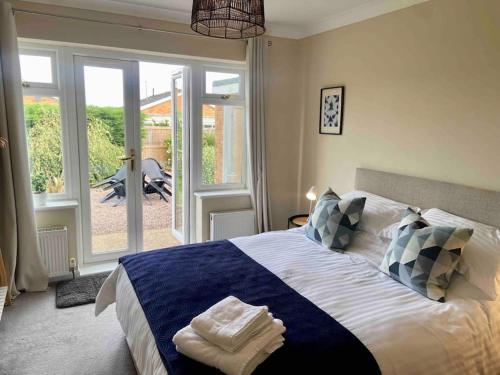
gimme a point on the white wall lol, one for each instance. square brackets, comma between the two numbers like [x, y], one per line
[422, 96]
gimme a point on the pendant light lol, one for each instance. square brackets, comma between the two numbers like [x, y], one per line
[228, 19]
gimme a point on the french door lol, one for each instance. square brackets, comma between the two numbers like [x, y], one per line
[110, 163]
[120, 204]
[180, 137]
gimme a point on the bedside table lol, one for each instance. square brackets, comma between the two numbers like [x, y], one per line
[297, 220]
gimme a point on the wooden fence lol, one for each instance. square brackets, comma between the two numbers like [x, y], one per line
[153, 144]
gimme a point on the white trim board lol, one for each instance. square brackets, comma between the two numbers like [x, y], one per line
[124, 8]
[3, 296]
[366, 10]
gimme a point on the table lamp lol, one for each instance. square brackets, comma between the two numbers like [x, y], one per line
[311, 195]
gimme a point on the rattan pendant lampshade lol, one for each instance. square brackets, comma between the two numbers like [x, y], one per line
[228, 19]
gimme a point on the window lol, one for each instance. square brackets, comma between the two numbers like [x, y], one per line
[220, 83]
[42, 116]
[223, 144]
[43, 119]
[38, 69]
[223, 134]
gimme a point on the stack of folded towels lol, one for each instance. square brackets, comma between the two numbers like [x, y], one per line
[232, 336]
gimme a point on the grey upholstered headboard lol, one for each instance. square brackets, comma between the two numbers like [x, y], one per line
[475, 204]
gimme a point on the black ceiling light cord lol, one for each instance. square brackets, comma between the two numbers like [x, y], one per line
[228, 19]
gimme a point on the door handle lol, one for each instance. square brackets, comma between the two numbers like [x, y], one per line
[130, 158]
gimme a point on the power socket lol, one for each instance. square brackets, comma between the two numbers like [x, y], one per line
[72, 266]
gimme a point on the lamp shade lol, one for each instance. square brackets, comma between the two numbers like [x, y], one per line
[228, 19]
[311, 194]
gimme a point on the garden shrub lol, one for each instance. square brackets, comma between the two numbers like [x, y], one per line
[113, 118]
[168, 151]
[105, 140]
[45, 150]
[103, 153]
[44, 144]
[208, 158]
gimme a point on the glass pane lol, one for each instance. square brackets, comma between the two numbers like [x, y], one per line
[43, 124]
[107, 175]
[36, 68]
[222, 83]
[223, 144]
[157, 153]
[178, 172]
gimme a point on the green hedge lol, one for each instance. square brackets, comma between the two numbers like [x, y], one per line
[113, 118]
[105, 140]
[208, 163]
[103, 152]
[208, 158]
[44, 142]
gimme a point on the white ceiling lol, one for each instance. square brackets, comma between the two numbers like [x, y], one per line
[287, 18]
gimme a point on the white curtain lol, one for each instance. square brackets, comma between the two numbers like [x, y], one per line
[17, 221]
[257, 133]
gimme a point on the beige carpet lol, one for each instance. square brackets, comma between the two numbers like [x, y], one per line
[38, 339]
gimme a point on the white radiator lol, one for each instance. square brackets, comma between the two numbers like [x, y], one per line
[54, 250]
[230, 224]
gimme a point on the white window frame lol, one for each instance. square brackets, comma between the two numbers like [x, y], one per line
[55, 89]
[53, 55]
[221, 69]
[199, 76]
[64, 58]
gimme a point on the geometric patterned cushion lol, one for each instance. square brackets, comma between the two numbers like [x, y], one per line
[412, 218]
[424, 257]
[334, 220]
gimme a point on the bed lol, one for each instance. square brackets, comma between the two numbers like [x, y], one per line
[404, 331]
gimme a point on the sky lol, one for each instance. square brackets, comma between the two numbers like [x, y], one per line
[36, 68]
[104, 86]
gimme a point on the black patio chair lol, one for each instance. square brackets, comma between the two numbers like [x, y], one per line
[115, 182]
[155, 179]
[120, 175]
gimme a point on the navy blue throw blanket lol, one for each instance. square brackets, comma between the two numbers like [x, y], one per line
[174, 285]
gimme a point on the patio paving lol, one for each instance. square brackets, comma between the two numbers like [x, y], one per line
[109, 223]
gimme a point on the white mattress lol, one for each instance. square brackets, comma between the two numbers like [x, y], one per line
[406, 332]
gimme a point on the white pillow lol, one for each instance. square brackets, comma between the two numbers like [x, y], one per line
[379, 212]
[480, 260]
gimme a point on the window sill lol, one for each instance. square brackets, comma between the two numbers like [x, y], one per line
[57, 205]
[93, 268]
[221, 193]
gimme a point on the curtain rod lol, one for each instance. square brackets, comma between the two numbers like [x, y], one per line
[136, 27]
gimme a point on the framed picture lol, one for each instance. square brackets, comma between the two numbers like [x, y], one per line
[331, 110]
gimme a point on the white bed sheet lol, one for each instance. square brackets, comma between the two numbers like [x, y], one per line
[406, 332]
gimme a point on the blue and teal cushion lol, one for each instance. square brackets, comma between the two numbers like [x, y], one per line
[424, 257]
[334, 220]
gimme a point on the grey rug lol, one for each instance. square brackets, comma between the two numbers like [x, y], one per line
[79, 291]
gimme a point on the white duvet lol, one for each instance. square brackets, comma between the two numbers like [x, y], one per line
[406, 332]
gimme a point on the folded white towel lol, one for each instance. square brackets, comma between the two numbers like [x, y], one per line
[243, 362]
[230, 323]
